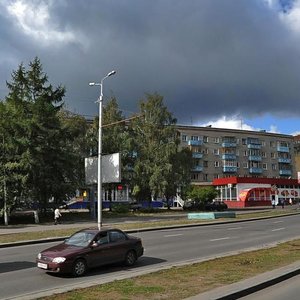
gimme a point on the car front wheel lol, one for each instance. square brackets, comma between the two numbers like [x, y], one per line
[130, 258]
[79, 267]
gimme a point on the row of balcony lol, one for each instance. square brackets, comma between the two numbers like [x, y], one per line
[233, 145]
[252, 170]
[230, 156]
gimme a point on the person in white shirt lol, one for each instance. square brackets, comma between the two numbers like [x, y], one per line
[57, 215]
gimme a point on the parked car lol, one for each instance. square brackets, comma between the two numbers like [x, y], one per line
[193, 205]
[216, 206]
[209, 206]
[90, 248]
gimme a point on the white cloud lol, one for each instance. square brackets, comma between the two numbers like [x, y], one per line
[292, 17]
[35, 21]
[289, 13]
[235, 122]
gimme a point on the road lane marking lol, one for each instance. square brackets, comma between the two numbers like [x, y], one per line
[276, 222]
[277, 229]
[171, 235]
[220, 239]
[234, 228]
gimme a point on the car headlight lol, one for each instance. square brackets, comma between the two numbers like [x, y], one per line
[39, 256]
[58, 260]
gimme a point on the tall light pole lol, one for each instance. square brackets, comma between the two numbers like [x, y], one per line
[99, 188]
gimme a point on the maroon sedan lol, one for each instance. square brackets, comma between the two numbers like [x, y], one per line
[90, 248]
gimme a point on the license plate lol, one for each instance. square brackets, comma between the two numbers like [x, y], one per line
[42, 266]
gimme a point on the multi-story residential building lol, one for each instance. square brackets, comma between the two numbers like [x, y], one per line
[220, 153]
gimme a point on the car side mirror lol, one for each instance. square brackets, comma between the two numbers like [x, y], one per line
[94, 244]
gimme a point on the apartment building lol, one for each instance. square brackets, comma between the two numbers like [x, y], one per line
[221, 153]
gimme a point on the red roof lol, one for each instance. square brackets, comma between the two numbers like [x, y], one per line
[235, 180]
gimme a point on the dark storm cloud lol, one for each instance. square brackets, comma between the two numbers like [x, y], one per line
[207, 58]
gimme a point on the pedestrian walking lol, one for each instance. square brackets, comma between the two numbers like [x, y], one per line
[273, 203]
[57, 215]
[290, 201]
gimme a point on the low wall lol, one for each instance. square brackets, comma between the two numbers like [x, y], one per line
[211, 215]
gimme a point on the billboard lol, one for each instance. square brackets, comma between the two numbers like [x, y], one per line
[111, 169]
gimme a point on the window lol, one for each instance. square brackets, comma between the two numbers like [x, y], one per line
[184, 137]
[195, 176]
[273, 155]
[245, 165]
[205, 163]
[205, 151]
[216, 140]
[115, 236]
[263, 154]
[205, 139]
[195, 138]
[216, 152]
[272, 144]
[246, 153]
[274, 167]
[265, 166]
[216, 176]
[217, 164]
[263, 143]
[244, 141]
[205, 177]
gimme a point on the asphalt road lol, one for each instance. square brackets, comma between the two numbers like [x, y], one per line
[20, 279]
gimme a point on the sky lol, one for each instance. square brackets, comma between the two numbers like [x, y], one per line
[225, 63]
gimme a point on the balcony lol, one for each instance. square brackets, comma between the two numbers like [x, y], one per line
[255, 170]
[197, 155]
[197, 169]
[228, 144]
[229, 169]
[195, 143]
[254, 146]
[284, 160]
[255, 158]
[283, 149]
[228, 156]
[285, 172]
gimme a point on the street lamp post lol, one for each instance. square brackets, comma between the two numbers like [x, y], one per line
[99, 187]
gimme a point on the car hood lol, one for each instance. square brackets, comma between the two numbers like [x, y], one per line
[62, 250]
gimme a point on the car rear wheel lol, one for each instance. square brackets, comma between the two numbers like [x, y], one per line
[79, 267]
[130, 258]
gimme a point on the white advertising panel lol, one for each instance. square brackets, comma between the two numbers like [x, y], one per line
[111, 169]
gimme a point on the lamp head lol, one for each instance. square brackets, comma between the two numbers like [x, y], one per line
[111, 73]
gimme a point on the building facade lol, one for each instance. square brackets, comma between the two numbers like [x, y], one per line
[220, 153]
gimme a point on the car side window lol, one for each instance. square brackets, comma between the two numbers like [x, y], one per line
[115, 236]
[102, 238]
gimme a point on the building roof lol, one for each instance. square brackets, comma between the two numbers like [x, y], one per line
[235, 180]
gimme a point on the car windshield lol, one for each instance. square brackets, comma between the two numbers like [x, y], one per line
[80, 239]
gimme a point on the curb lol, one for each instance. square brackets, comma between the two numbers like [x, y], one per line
[250, 285]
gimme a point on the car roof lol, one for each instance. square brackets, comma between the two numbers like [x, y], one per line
[96, 230]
